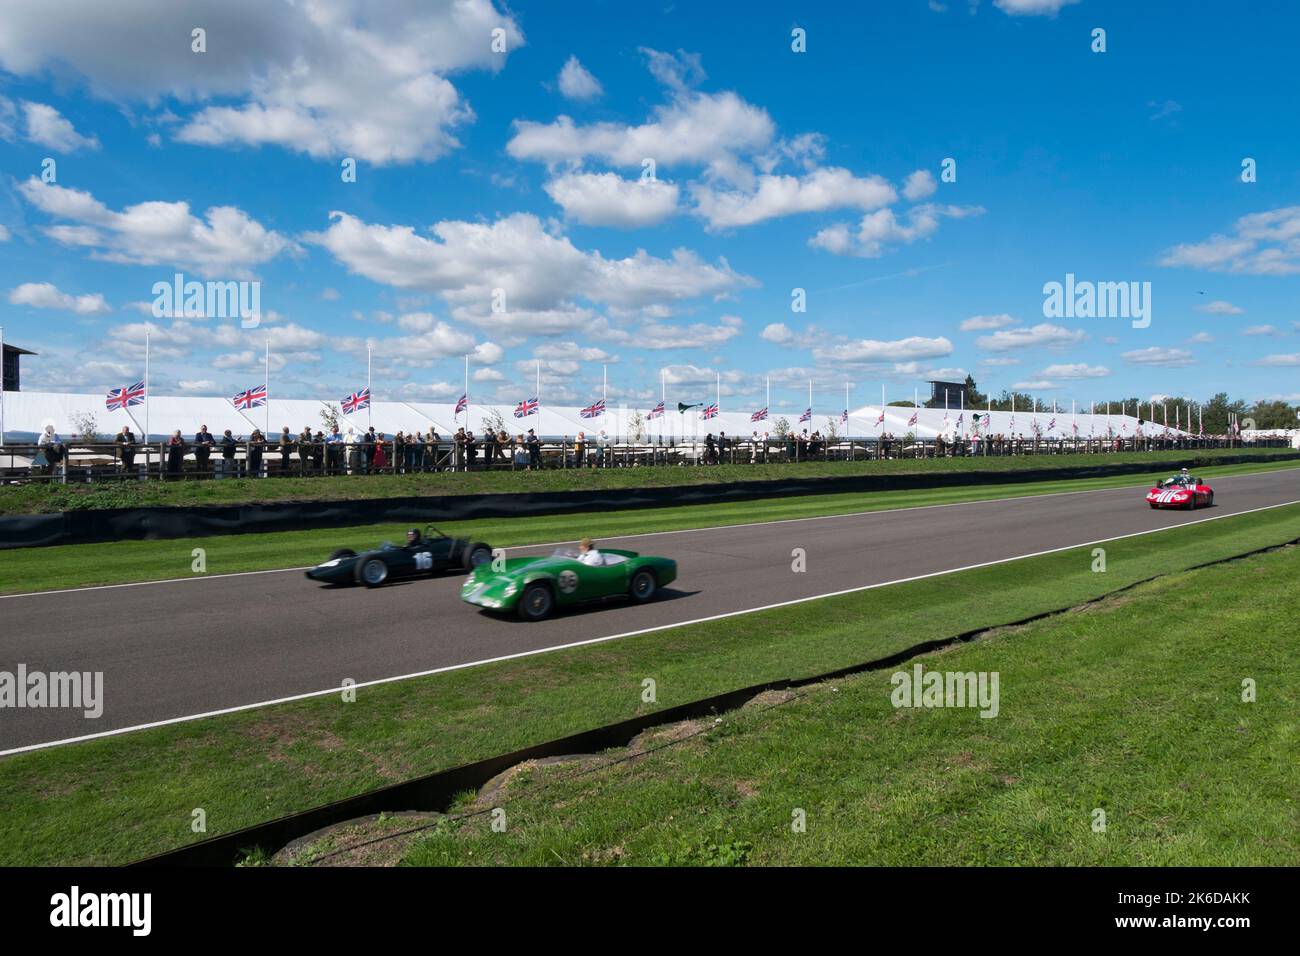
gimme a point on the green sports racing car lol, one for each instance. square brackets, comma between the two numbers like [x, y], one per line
[534, 587]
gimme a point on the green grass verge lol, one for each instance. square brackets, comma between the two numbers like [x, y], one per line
[42, 498]
[111, 800]
[70, 566]
[1132, 706]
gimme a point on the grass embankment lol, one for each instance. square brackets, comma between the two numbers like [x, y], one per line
[41, 498]
[1132, 707]
[69, 566]
[119, 798]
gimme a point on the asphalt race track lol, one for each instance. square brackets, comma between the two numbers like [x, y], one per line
[178, 649]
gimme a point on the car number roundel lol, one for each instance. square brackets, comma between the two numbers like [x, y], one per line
[568, 582]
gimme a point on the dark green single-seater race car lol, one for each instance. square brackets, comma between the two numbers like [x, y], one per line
[422, 554]
[534, 587]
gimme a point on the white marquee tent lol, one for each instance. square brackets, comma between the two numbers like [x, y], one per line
[27, 413]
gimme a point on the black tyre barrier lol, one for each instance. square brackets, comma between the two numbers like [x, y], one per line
[134, 524]
[435, 792]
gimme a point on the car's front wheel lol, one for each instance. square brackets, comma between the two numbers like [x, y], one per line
[476, 555]
[642, 587]
[536, 602]
[373, 572]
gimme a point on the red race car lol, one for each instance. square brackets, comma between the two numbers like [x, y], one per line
[1181, 491]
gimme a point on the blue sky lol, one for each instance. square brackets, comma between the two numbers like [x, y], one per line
[514, 179]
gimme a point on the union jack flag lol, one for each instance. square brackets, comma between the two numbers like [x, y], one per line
[880, 419]
[1012, 427]
[594, 410]
[806, 416]
[122, 397]
[462, 403]
[760, 415]
[710, 411]
[844, 417]
[254, 397]
[657, 411]
[1051, 424]
[357, 401]
[912, 420]
[525, 408]
[961, 419]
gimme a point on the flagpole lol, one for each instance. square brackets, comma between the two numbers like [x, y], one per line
[717, 393]
[539, 395]
[267, 376]
[369, 391]
[146, 390]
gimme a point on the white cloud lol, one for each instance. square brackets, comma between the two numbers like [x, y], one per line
[693, 129]
[543, 275]
[1263, 243]
[987, 323]
[487, 375]
[662, 335]
[4, 234]
[1032, 8]
[919, 185]
[880, 229]
[330, 79]
[44, 295]
[1219, 307]
[46, 126]
[1163, 357]
[862, 351]
[607, 199]
[576, 83]
[1280, 361]
[1201, 338]
[816, 191]
[1036, 385]
[197, 386]
[1261, 330]
[1076, 370]
[1043, 334]
[677, 71]
[572, 351]
[226, 242]
[999, 362]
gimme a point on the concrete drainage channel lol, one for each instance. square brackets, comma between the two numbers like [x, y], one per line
[431, 795]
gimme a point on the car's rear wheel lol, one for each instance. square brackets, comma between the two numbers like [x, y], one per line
[536, 602]
[342, 553]
[476, 555]
[642, 586]
[373, 572]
